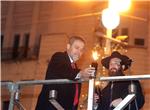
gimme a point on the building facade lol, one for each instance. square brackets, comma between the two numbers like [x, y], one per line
[32, 31]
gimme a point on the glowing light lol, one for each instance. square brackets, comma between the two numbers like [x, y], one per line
[84, 0]
[110, 18]
[97, 83]
[119, 5]
[121, 37]
[95, 55]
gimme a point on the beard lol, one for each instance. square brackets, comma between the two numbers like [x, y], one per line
[115, 72]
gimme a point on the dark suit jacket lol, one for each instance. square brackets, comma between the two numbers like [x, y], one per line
[59, 68]
[120, 90]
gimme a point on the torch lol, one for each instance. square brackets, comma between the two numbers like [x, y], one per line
[94, 63]
[92, 82]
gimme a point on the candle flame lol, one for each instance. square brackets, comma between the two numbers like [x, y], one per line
[97, 83]
[95, 55]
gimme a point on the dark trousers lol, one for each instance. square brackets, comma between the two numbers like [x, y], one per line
[75, 107]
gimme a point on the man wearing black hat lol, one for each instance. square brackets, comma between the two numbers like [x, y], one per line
[116, 91]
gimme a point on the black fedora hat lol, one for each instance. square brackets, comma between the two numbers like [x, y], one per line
[126, 61]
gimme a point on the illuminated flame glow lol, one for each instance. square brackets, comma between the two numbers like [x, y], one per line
[97, 83]
[121, 37]
[84, 0]
[110, 18]
[120, 5]
[95, 55]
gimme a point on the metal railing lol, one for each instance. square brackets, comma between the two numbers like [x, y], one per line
[14, 87]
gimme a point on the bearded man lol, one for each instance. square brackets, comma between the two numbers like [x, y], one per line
[116, 91]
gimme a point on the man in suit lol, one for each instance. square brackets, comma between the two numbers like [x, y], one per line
[62, 66]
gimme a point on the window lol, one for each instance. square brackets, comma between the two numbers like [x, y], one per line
[139, 41]
[115, 33]
[25, 45]
[2, 40]
[15, 52]
[124, 31]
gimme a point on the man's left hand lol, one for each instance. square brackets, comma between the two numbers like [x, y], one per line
[115, 102]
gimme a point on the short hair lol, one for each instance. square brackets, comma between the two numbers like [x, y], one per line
[74, 38]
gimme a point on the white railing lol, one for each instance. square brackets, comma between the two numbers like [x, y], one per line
[14, 87]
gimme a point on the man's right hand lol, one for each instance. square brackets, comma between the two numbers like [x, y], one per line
[87, 73]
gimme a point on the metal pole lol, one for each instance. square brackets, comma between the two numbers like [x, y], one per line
[12, 88]
[11, 103]
[92, 87]
[125, 78]
[39, 82]
[90, 94]
[66, 81]
[108, 42]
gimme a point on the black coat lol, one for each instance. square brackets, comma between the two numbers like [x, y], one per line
[59, 68]
[120, 90]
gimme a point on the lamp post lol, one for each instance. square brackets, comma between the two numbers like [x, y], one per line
[110, 20]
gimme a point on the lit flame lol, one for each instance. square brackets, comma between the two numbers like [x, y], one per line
[97, 83]
[95, 55]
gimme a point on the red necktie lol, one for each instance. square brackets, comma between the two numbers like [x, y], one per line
[77, 89]
[73, 65]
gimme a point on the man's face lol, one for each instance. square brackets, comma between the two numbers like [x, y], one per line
[75, 50]
[114, 67]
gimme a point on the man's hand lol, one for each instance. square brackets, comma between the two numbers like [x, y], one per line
[115, 102]
[87, 72]
[96, 98]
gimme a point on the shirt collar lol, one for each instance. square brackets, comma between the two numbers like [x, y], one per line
[71, 60]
